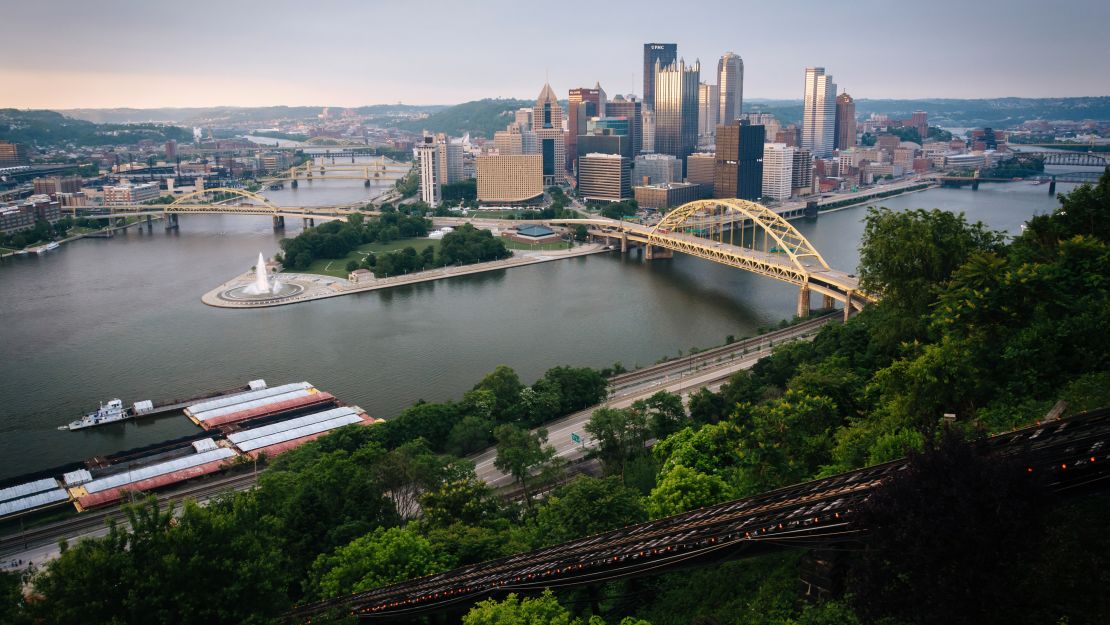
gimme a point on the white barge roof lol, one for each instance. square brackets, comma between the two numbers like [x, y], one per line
[128, 477]
[28, 488]
[298, 432]
[33, 501]
[239, 398]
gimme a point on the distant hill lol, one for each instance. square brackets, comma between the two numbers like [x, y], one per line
[228, 114]
[480, 117]
[44, 128]
[995, 112]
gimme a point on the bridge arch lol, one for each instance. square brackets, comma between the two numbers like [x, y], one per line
[182, 201]
[706, 216]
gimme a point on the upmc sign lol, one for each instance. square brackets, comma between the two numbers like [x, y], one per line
[656, 46]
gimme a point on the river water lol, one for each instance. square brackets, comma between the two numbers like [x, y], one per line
[122, 317]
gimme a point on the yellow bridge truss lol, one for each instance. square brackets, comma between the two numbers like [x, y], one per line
[703, 227]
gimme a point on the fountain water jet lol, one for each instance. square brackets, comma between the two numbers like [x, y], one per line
[264, 287]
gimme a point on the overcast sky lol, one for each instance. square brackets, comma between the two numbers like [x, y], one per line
[153, 53]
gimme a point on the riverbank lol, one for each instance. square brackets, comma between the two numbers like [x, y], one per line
[101, 232]
[317, 286]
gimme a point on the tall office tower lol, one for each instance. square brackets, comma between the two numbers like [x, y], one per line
[819, 113]
[657, 169]
[13, 154]
[771, 126]
[450, 161]
[582, 104]
[845, 122]
[603, 177]
[602, 100]
[547, 123]
[663, 54]
[708, 106]
[523, 119]
[171, 150]
[676, 108]
[648, 115]
[629, 108]
[739, 169]
[920, 121]
[427, 156]
[514, 141]
[801, 176]
[778, 170]
[730, 83]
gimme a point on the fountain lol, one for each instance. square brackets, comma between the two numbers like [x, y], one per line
[263, 288]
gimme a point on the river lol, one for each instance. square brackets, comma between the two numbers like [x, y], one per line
[122, 317]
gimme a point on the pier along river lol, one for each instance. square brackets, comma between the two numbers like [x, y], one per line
[104, 318]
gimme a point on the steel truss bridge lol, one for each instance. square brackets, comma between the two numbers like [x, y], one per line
[1070, 457]
[226, 201]
[745, 235]
[382, 169]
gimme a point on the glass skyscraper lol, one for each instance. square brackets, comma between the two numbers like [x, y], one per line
[819, 113]
[730, 85]
[676, 108]
[662, 53]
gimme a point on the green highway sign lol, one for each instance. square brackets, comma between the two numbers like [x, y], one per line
[575, 438]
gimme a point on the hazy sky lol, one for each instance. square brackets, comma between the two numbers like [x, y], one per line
[148, 53]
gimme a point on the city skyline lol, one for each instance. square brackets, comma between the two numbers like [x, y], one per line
[216, 55]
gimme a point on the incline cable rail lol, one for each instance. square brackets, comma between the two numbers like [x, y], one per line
[1073, 453]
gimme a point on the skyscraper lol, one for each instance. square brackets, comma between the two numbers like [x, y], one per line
[656, 53]
[739, 162]
[730, 84]
[845, 122]
[676, 108]
[427, 155]
[630, 108]
[920, 121]
[708, 105]
[778, 170]
[819, 113]
[582, 104]
[449, 165]
[547, 123]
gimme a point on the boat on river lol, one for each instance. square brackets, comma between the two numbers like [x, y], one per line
[111, 412]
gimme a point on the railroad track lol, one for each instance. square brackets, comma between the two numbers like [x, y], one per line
[96, 519]
[1072, 455]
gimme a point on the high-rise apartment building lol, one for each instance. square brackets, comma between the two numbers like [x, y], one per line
[523, 119]
[427, 158]
[629, 108]
[771, 126]
[13, 154]
[657, 169]
[730, 85]
[53, 185]
[739, 168]
[801, 175]
[778, 170]
[604, 177]
[547, 123]
[845, 122]
[664, 54]
[708, 106]
[920, 121]
[450, 164]
[582, 104]
[676, 108]
[819, 113]
[512, 179]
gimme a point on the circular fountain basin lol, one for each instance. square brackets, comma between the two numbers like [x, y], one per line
[246, 293]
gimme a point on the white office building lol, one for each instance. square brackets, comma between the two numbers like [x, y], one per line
[819, 114]
[778, 170]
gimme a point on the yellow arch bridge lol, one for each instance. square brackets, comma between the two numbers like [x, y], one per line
[740, 234]
[379, 170]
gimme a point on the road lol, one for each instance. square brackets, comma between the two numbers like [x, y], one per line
[709, 369]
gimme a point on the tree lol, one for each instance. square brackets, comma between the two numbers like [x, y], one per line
[960, 529]
[619, 436]
[543, 610]
[352, 265]
[504, 386]
[585, 507]
[684, 489]
[381, 557]
[521, 453]
[465, 499]
[469, 435]
[664, 411]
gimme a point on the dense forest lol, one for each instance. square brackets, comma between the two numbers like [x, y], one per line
[47, 128]
[479, 118]
[993, 331]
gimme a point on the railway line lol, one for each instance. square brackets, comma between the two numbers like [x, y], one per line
[1070, 456]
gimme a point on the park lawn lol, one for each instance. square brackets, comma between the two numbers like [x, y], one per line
[337, 267]
[527, 247]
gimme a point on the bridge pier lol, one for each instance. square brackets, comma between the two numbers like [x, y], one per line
[828, 303]
[309, 222]
[279, 222]
[170, 221]
[803, 302]
[975, 185]
[149, 223]
[848, 307]
[1052, 187]
[652, 252]
[624, 243]
[294, 183]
